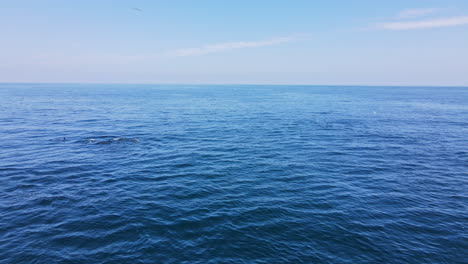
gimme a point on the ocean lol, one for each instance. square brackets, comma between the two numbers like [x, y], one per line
[233, 174]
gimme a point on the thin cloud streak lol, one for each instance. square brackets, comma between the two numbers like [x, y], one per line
[214, 48]
[424, 24]
[417, 12]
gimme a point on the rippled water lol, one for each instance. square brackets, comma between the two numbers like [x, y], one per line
[233, 174]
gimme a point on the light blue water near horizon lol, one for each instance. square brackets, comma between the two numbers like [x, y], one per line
[233, 174]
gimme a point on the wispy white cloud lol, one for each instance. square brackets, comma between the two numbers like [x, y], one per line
[417, 12]
[220, 47]
[424, 24]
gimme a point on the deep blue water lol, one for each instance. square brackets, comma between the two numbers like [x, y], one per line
[233, 174]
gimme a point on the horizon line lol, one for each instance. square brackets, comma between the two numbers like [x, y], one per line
[243, 84]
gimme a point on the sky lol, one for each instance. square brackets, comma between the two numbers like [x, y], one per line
[317, 42]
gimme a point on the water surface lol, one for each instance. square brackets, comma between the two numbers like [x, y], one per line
[233, 174]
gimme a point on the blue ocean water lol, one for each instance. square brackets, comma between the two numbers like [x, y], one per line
[233, 174]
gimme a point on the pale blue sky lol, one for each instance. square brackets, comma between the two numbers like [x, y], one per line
[368, 42]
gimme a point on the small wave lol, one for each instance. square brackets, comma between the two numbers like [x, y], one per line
[111, 140]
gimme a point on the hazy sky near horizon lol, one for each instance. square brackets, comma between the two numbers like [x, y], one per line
[368, 42]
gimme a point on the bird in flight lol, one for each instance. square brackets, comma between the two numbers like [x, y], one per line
[137, 9]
